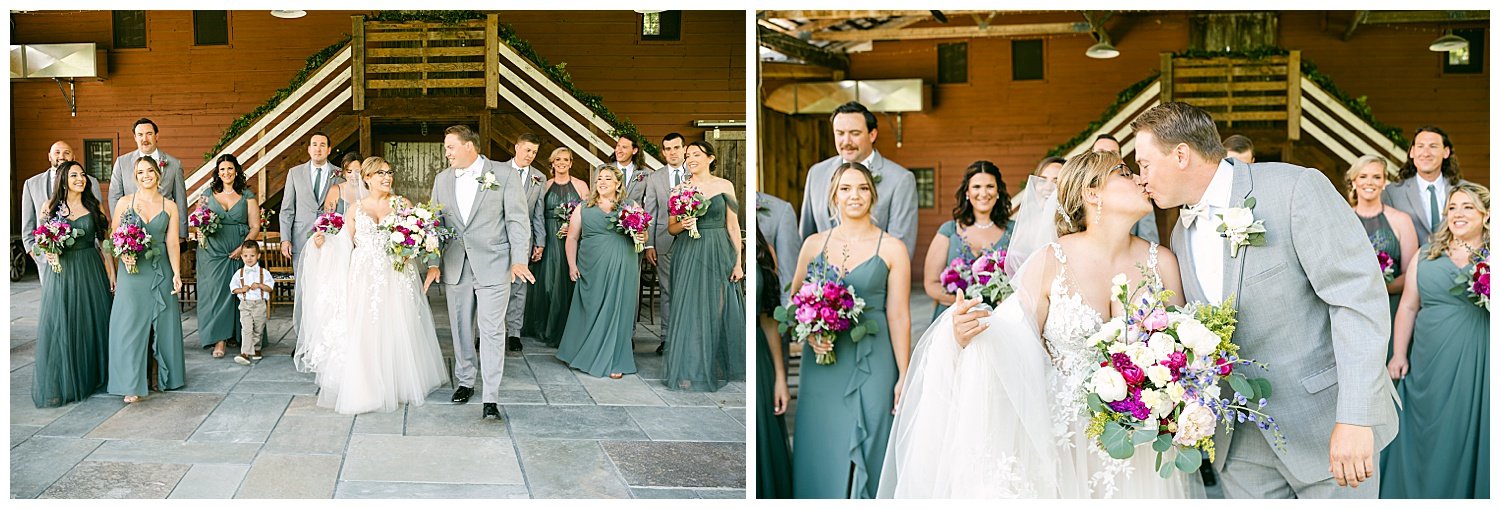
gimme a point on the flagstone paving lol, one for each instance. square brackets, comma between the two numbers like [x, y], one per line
[256, 432]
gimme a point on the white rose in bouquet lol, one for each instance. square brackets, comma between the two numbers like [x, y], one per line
[1140, 355]
[1175, 390]
[1195, 423]
[397, 238]
[1108, 384]
[1160, 376]
[430, 244]
[1197, 338]
[423, 213]
[1110, 332]
[1162, 345]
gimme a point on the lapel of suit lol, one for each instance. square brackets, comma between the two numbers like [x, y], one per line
[1418, 204]
[448, 185]
[481, 195]
[1234, 267]
[1191, 289]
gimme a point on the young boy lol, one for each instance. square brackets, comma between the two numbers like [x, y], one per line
[253, 284]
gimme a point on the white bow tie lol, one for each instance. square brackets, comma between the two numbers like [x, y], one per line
[1191, 213]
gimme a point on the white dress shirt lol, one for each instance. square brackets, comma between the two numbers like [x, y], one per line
[1203, 235]
[252, 274]
[466, 186]
[319, 175]
[627, 169]
[1440, 186]
[677, 175]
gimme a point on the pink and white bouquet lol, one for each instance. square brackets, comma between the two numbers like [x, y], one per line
[632, 221]
[958, 276]
[204, 220]
[822, 308]
[1158, 380]
[564, 214]
[1475, 284]
[981, 276]
[414, 232]
[330, 223]
[52, 237]
[686, 202]
[1387, 266]
[130, 242]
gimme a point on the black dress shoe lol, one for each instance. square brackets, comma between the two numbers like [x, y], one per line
[462, 394]
[491, 409]
[513, 344]
[661, 348]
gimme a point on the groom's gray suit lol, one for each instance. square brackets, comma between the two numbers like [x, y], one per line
[476, 269]
[535, 185]
[1312, 306]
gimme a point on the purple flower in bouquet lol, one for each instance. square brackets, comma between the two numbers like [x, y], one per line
[989, 281]
[564, 214]
[52, 237]
[205, 220]
[632, 221]
[687, 201]
[129, 242]
[823, 307]
[956, 276]
[414, 232]
[1132, 373]
[1475, 284]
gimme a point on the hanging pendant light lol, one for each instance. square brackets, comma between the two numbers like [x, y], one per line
[1102, 49]
[289, 14]
[1448, 42]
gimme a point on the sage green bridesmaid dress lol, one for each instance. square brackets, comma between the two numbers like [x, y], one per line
[71, 350]
[601, 318]
[219, 310]
[146, 315]
[1383, 238]
[706, 349]
[844, 409]
[773, 458]
[547, 301]
[957, 247]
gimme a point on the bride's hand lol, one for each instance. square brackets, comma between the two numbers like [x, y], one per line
[967, 321]
[318, 239]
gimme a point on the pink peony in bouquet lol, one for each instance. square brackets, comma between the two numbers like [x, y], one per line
[957, 276]
[52, 237]
[130, 242]
[823, 307]
[204, 220]
[632, 221]
[1475, 284]
[981, 276]
[330, 223]
[685, 202]
[414, 232]
[1387, 266]
[564, 213]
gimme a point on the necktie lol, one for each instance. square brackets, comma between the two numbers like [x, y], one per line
[318, 183]
[1432, 208]
[1192, 213]
[676, 177]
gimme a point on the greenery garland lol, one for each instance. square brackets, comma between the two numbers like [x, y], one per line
[1358, 105]
[240, 124]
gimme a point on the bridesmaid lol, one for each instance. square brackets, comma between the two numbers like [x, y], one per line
[71, 352]
[707, 325]
[844, 409]
[146, 320]
[596, 338]
[547, 301]
[981, 195]
[1443, 361]
[219, 254]
[1390, 230]
[334, 200]
[773, 459]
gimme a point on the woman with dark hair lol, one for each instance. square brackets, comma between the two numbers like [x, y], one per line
[706, 331]
[981, 223]
[350, 173]
[145, 323]
[71, 349]
[773, 457]
[219, 253]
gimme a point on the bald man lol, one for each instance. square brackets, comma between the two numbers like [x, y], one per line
[38, 190]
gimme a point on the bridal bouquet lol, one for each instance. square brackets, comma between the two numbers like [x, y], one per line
[129, 242]
[205, 220]
[330, 223]
[1158, 381]
[414, 232]
[564, 213]
[981, 276]
[685, 202]
[1475, 285]
[632, 221]
[822, 308]
[52, 237]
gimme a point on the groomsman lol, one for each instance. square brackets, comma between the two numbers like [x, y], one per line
[1425, 197]
[627, 151]
[854, 132]
[1240, 147]
[301, 202]
[38, 190]
[532, 182]
[1146, 227]
[777, 221]
[659, 246]
[122, 180]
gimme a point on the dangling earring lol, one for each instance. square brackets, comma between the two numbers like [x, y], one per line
[1099, 208]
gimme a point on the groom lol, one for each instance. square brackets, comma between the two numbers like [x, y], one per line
[486, 207]
[1311, 304]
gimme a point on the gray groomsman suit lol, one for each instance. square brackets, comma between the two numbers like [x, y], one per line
[1312, 306]
[895, 211]
[535, 185]
[172, 185]
[635, 183]
[476, 269]
[1407, 196]
[657, 191]
[34, 195]
[777, 221]
[300, 206]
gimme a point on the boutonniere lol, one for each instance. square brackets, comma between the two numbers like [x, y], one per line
[488, 182]
[639, 177]
[1239, 225]
[876, 178]
[762, 209]
[536, 180]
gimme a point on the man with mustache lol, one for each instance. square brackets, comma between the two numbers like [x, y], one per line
[854, 132]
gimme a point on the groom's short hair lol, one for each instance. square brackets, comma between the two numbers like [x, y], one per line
[1177, 122]
[464, 134]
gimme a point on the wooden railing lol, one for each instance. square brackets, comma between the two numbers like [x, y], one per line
[1235, 89]
[416, 59]
[1119, 125]
[1344, 133]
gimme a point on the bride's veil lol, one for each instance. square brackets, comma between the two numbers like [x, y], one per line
[323, 288]
[978, 421]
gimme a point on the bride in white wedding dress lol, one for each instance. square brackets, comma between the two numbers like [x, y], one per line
[369, 334]
[1002, 415]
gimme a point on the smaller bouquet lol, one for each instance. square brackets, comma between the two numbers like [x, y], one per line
[265, 218]
[957, 276]
[686, 202]
[52, 237]
[204, 220]
[564, 213]
[822, 308]
[990, 282]
[1475, 285]
[129, 242]
[1387, 266]
[632, 221]
[330, 223]
[414, 232]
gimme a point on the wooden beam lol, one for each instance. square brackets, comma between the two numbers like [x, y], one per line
[422, 108]
[892, 24]
[1294, 95]
[1359, 17]
[908, 34]
[785, 70]
[796, 48]
[818, 24]
[1383, 17]
[366, 146]
[492, 61]
[852, 14]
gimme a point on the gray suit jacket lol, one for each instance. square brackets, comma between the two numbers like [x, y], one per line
[895, 211]
[657, 191]
[777, 221]
[34, 195]
[1312, 306]
[495, 236]
[122, 182]
[635, 189]
[300, 206]
[535, 186]
[1406, 196]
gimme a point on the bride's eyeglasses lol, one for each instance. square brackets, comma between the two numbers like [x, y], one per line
[1123, 169]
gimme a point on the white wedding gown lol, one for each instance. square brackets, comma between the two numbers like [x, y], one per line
[1005, 417]
[368, 334]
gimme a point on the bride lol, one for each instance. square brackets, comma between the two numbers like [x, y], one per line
[369, 335]
[994, 407]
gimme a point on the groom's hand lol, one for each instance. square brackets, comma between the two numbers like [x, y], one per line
[521, 272]
[1351, 454]
[432, 275]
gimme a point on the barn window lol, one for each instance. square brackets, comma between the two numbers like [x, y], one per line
[211, 28]
[661, 26]
[129, 29]
[953, 62]
[1469, 60]
[926, 187]
[1026, 59]
[99, 158]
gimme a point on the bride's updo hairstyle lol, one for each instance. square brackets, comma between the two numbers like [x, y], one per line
[833, 186]
[1081, 173]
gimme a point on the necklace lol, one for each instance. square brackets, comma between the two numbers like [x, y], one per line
[985, 226]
